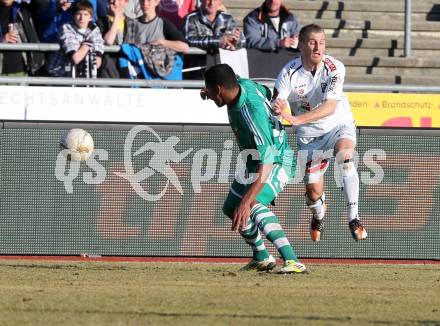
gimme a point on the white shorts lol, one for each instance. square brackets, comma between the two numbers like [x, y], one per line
[315, 152]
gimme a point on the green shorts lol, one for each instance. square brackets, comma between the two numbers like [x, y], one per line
[273, 186]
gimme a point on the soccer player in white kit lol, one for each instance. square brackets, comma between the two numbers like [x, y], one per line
[312, 85]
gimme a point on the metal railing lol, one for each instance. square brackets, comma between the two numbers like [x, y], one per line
[408, 12]
[61, 81]
[48, 47]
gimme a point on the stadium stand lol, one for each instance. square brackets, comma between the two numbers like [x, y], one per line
[368, 36]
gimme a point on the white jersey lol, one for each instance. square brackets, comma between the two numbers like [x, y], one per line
[306, 92]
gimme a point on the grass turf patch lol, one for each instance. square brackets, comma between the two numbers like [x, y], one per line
[102, 293]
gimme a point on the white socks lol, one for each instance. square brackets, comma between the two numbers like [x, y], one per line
[317, 207]
[350, 181]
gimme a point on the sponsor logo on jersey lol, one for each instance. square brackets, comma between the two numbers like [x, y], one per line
[293, 66]
[300, 86]
[333, 81]
[301, 93]
[330, 64]
[304, 107]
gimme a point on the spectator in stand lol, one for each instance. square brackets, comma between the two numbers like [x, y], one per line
[53, 14]
[155, 30]
[81, 44]
[175, 10]
[210, 28]
[116, 29]
[56, 13]
[159, 41]
[271, 27]
[16, 25]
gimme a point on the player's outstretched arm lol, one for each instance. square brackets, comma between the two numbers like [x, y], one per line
[325, 109]
[243, 211]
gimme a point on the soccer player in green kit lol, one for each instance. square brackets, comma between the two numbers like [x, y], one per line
[270, 164]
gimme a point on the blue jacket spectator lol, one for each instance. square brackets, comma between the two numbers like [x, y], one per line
[271, 27]
[59, 12]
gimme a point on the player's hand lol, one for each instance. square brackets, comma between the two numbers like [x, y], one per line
[279, 105]
[241, 216]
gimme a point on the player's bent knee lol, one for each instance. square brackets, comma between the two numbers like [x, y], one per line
[347, 167]
[311, 200]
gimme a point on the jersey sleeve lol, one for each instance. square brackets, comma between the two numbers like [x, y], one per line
[264, 90]
[282, 85]
[257, 121]
[335, 83]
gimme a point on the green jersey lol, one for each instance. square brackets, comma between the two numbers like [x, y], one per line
[255, 128]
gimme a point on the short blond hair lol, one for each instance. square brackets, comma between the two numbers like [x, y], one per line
[306, 30]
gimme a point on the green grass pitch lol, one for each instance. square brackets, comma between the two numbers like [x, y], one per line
[115, 293]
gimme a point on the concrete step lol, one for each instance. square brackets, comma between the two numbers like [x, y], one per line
[420, 80]
[391, 66]
[382, 43]
[398, 71]
[409, 63]
[433, 36]
[381, 25]
[389, 27]
[369, 79]
[311, 15]
[364, 6]
[378, 34]
[364, 16]
[346, 52]
[392, 79]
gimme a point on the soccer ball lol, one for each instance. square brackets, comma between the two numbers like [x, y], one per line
[78, 144]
